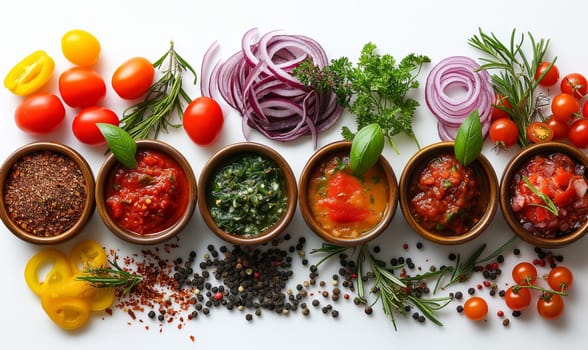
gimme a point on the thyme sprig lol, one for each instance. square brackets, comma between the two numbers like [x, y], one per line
[397, 294]
[115, 277]
[549, 205]
[153, 115]
[516, 75]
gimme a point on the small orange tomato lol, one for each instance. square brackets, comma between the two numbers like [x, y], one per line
[133, 78]
[475, 308]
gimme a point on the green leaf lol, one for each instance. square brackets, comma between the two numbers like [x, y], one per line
[122, 145]
[366, 148]
[469, 139]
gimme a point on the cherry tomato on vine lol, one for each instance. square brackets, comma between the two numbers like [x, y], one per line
[578, 133]
[39, 113]
[81, 87]
[84, 124]
[550, 78]
[538, 132]
[133, 78]
[574, 84]
[504, 132]
[524, 273]
[564, 106]
[517, 299]
[497, 112]
[550, 306]
[475, 308]
[80, 47]
[203, 120]
[560, 278]
[560, 130]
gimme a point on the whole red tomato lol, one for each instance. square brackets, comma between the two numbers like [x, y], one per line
[203, 120]
[574, 84]
[560, 130]
[133, 78]
[564, 107]
[550, 78]
[504, 132]
[578, 133]
[39, 113]
[497, 112]
[84, 124]
[81, 87]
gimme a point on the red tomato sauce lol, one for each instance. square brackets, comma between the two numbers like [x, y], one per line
[149, 198]
[559, 178]
[444, 197]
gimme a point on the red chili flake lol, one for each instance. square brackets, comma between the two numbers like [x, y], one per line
[192, 338]
[132, 314]
[354, 275]
[479, 286]
[487, 284]
[405, 246]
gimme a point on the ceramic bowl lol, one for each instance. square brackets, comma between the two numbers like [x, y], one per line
[177, 218]
[488, 194]
[227, 155]
[337, 233]
[505, 194]
[56, 187]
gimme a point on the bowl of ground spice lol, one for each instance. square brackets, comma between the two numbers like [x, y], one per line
[248, 193]
[152, 202]
[47, 192]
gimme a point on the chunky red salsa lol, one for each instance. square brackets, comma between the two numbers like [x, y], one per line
[548, 195]
[149, 198]
[445, 196]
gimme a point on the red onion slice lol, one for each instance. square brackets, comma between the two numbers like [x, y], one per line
[458, 72]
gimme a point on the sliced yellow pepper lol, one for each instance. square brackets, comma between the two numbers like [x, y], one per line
[87, 254]
[67, 312]
[30, 74]
[58, 270]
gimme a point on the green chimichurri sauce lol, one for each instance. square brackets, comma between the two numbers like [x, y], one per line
[247, 195]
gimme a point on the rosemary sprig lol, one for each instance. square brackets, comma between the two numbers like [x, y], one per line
[394, 292]
[153, 115]
[116, 277]
[516, 78]
[549, 205]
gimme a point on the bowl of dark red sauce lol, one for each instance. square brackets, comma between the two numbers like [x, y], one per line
[152, 202]
[344, 208]
[47, 192]
[444, 201]
[544, 194]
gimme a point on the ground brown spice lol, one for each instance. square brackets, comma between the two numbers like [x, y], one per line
[45, 193]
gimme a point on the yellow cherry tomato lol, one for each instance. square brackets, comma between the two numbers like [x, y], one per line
[58, 268]
[87, 254]
[68, 313]
[30, 74]
[80, 47]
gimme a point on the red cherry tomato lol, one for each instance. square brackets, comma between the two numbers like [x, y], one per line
[81, 87]
[550, 306]
[550, 78]
[578, 133]
[560, 130]
[133, 78]
[84, 124]
[524, 273]
[585, 109]
[574, 84]
[539, 132]
[560, 278]
[203, 120]
[475, 308]
[504, 132]
[497, 112]
[517, 299]
[564, 107]
[39, 113]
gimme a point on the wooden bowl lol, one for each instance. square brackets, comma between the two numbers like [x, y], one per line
[57, 188]
[333, 234]
[505, 205]
[488, 197]
[177, 218]
[232, 153]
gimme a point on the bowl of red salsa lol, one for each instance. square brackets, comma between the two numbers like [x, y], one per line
[444, 201]
[544, 194]
[343, 208]
[152, 202]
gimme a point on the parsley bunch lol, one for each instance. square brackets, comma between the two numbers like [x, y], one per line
[374, 90]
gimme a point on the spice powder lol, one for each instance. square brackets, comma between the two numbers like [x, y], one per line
[45, 193]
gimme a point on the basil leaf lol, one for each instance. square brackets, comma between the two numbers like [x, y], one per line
[122, 145]
[366, 148]
[469, 139]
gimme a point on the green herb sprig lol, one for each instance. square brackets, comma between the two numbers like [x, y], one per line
[115, 277]
[153, 115]
[549, 205]
[374, 90]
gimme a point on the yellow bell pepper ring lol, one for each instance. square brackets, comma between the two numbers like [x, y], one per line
[87, 254]
[69, 313]
[30, 74]
[58, 268]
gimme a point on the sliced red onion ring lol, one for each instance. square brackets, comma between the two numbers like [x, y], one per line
[257, 81]
[458, 72]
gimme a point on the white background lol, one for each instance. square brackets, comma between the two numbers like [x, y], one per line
[434, 28]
